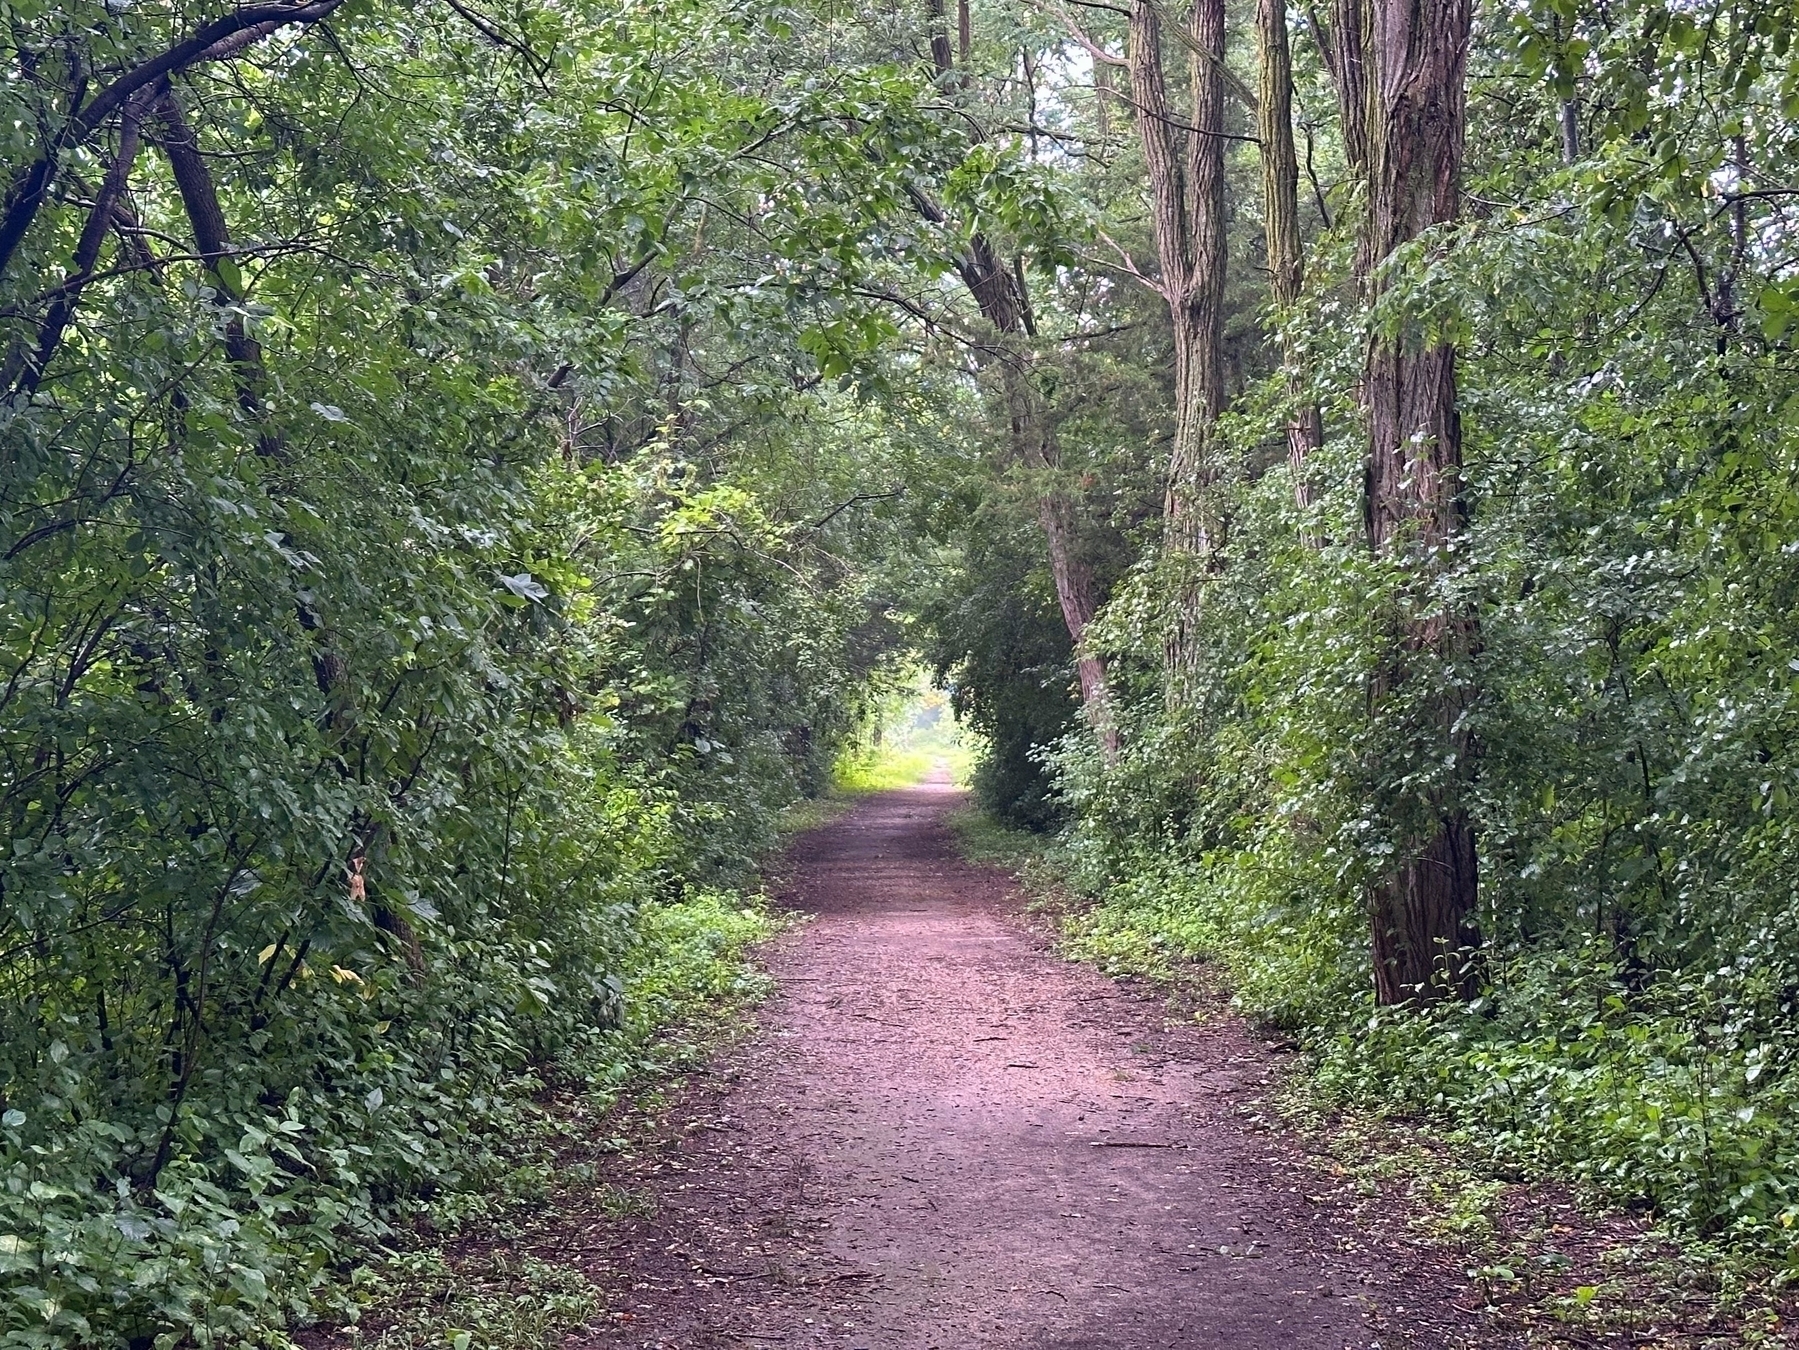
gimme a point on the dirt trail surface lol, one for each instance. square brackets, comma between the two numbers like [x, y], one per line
[947, 1137]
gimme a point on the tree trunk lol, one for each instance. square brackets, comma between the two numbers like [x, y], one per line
[1422, 911]
[1280, 196]
[1078, 597]
[1033, 445]
[1186, 184]
[1185, 161]
[999, 293]
[87, 255]
[1344, 47]
[193, 181]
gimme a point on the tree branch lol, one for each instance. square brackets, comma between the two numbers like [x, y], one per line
[87, 254]
[222, 37]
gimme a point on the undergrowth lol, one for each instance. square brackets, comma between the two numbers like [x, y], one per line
[1678, 1096]
[449, 1276]
[496, 1302]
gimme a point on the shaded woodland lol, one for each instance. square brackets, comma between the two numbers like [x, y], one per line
[465, 469]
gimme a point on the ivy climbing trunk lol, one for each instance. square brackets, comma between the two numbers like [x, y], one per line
[1422, 909]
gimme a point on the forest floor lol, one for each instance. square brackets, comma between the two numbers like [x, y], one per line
[940, 1135]
[946, 1136]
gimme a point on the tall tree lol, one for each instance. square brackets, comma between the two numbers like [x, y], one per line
[1008, 351]
[1280, 215]
[1422, 908]
[1185, 160]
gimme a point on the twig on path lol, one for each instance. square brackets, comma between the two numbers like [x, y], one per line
[705, 1269]
[832, 1279]
[1132, 1143]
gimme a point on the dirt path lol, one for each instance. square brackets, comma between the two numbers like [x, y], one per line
[947, 1137]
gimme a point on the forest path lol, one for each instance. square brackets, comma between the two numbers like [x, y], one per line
[947, 1137]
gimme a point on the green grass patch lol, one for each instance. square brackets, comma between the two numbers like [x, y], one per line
[491, 1300]
[911, 732]
[982, 839]
[881, 768]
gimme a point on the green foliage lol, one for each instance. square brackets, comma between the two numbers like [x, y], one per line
[408, 637]
[1619, 287]
[496, 1303]
[999, 644]
[911, 732]
[881, 768]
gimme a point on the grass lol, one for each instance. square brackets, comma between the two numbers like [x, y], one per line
[882, 768]
[901, 758]
[1029, 857]
[491, 1300]
[913, 733]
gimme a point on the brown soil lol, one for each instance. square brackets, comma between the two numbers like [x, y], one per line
[947, 1137]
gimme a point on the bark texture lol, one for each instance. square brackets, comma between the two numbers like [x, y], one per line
[1345, 50]
[1422, 911]
[999, 293]
[1280, 197]
[1185, 160]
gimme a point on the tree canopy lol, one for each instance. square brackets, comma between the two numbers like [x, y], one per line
[468, 467]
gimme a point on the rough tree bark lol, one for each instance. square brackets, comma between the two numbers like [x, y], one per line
[1185, 160]
[1422, 910]
[1280, 196]
[1032, 443]
[212, 239]
[999, 293]
[1344, 47]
